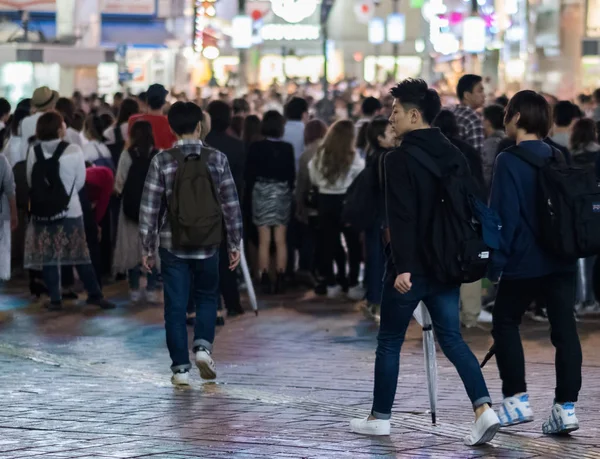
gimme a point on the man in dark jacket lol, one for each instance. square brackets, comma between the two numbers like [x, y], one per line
[218, 138]
[411, 196]
[528, 272]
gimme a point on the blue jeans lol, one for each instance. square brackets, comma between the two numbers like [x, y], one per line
[179, 276]
[87, 275]
[133, 275]
[375, 263]
[396, 311]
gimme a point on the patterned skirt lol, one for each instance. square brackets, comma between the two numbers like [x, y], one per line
[55, 244]
[271, 203]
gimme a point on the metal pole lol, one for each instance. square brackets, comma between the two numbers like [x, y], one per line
[243, 55]
[395, 45]
[324, 33]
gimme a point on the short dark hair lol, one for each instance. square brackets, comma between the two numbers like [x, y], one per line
[596, 95]
[78, 121]
[314, 130]
[495, 115]
[466, 84]
[273, 124]
[143, 96]
[5, 107]
[237, 125]
[565, 112]
[414, 93]
[220, 115]
[584, 133]
[48, 126]
[296, 108]
[184, 117]
[446, 123]
[240, 105]
[118, 95]
[534, 113]
[370, 105]
[376, 129]
[128, 108]
[502, 101]
[66, 108]
[94, 126]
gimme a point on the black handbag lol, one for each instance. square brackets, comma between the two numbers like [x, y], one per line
[311, 198]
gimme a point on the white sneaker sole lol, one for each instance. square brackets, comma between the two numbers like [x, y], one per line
[377, 432]
[179, 383]
[488, 435]
[206, 372]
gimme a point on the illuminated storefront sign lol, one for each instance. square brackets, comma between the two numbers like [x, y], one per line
[294, 11]
[274, 32]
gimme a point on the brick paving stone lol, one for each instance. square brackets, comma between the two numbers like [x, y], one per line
[87, 383]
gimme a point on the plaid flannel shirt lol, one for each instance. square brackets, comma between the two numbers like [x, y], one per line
[470, 126]
[154, 223]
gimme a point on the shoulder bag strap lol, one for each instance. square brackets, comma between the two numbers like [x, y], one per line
[425, 160]
[118, 135]
[60, 149]
[39, 153]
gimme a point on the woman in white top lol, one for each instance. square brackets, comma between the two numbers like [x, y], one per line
[128, 108]
[66, 108]
[51, 244]
[13, 150]
[332, 170]
[95, 152]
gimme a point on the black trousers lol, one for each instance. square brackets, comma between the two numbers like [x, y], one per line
[332, 228]
[514, 296]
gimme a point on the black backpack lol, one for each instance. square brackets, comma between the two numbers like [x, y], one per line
[21, 186]
[463, 231]
[568, 206]
[134, 186]
[361, 205]
[117, 148]
[194, 209]
[48, 196]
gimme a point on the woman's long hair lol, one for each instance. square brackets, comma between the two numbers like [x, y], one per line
[337, 151]
[376, 129]
[584, 133]
[251, 131]
[141, 139]
[128, 108]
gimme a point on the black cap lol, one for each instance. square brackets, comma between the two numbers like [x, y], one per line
[157, 95]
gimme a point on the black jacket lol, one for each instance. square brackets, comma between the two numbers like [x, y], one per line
[236, 155]
[411, 191]
[473, 158]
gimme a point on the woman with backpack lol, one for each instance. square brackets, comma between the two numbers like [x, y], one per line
[95, 152]
[129, 183]
[56, 236]
[66, 108]
[332, 171]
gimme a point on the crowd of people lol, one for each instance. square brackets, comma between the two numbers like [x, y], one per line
[174, 191]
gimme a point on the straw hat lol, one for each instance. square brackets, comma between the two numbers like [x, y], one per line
[44, 98]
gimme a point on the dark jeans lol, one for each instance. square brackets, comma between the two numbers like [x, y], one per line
[557, 291]
[228, 285]
[396, 311]
[375, 263]
[51, 275]
[178, 274]
[330, 223]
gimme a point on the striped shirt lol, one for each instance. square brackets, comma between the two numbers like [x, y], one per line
[154, 224]
[470, 126]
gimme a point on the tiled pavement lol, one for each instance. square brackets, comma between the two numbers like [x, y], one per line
[90, 384]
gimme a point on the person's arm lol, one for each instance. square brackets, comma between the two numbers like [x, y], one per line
[9, 187]
[504, 199]
[122, 171]
[30, 158]
[475, 134]
[230, 204]
[291, 169]
[401, 210]
[154, 190]
[79, 164]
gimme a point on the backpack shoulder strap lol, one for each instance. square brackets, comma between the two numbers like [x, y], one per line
[177, 155]
[118, 134]
[60, 149]
[425, 160]
[39, 154]
[527, 157]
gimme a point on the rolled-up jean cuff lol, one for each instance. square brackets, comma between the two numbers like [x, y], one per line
[177, 368]
[482, 401]
[382, 416]
[202, 343]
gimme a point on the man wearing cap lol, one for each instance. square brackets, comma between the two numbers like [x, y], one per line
[156, 99]
[43, 100]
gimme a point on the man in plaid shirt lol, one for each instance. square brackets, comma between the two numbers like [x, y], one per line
[179, 268]
[471, 94]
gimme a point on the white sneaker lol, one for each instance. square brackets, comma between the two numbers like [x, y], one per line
[152, 297]
[485, 317]
[181, 378]
[334, 292]
[356, 293]
[135, 296]
[562, 420]
[370, 427]
[484, 429]
[515, 410]
[206, 364]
